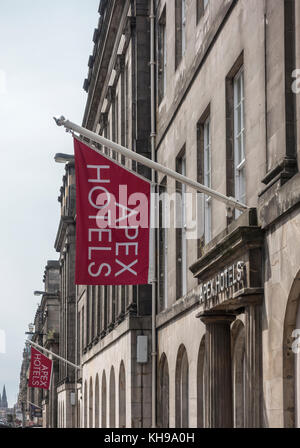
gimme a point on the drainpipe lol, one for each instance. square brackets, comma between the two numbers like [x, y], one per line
[153, 141]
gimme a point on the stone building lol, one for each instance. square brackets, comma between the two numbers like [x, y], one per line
[23, 384]
[112, 321]
[65, 245]
[3, 399]
[228, 302]
[50, 308]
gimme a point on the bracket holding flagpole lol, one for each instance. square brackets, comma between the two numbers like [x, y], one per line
[230, 202]
[34, 344]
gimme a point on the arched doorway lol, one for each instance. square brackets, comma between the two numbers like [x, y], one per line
[97, 398]
[163, 392]
[85, 405]
[122, 397]
[182, 389]
[112, 399]
[91, 404]
[291, 361]
[103, 401]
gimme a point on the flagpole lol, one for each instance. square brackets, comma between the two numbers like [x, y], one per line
[230, 202]
[154, 211]
[53, 354]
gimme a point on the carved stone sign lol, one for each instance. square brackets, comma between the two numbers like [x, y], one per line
[223, 285]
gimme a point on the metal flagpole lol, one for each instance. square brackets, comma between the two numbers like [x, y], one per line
[230, 202]
[154, 211]
[53, 354]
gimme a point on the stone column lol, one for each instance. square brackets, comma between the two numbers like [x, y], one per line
[218, 378]
[253, 366]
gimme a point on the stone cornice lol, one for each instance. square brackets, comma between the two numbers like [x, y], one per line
[65, 221]
[242, 234]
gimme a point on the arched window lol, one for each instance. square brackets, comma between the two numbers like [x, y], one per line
[201, 369]
[91, 404]
[291, 361]
[122, 397]
[296, 354]
[79, 413]
[85, 405]
[238, 374]
[163, 392]
[59, 415]
[182, 389]
[103, 401]
[112, 399]
[97, 398]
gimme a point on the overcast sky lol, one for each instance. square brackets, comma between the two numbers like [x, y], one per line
[44, 49]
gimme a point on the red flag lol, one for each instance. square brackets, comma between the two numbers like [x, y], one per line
[112, 221]
[40, 370]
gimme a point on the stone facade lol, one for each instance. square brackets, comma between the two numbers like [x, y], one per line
[65, 245]
[227, 301]
[240, 334]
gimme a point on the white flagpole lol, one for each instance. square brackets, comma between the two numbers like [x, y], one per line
[229, 201]
[53, 354]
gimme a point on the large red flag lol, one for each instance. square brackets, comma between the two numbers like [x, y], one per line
[112, 221]
[40, 370]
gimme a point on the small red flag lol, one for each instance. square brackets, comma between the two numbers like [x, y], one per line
[40, 370]
[112, 221]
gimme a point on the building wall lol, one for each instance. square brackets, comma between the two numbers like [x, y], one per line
[282, 266]
[259, 362]
[170, 338]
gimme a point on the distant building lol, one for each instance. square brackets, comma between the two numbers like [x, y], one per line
[3, 401]
[4, 410]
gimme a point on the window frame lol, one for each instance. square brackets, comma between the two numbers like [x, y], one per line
[239, 136]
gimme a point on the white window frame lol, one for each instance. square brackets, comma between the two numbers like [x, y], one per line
[164, 36]
[183, 26]
[207, 179]
[165, 249]
[184, 228]
[239, 138]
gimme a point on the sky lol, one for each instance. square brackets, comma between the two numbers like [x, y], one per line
[44, 50]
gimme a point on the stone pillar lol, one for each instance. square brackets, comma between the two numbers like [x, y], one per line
[218, 378]
[253, 367]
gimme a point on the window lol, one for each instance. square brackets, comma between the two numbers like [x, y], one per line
[201, 6]
[162, 57]
[117, 119]
[181, 248]
[82, 329]
[182, 389]
[235, 134]
[93, 313]
[180, 32]
[239, 137]
[103, 401]
[99, 299]
[163, 393]
[112, 399]
[207, 179]
[87, 318]
[122, 396]
[163, 246]
[126, 106]
[183, 11]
